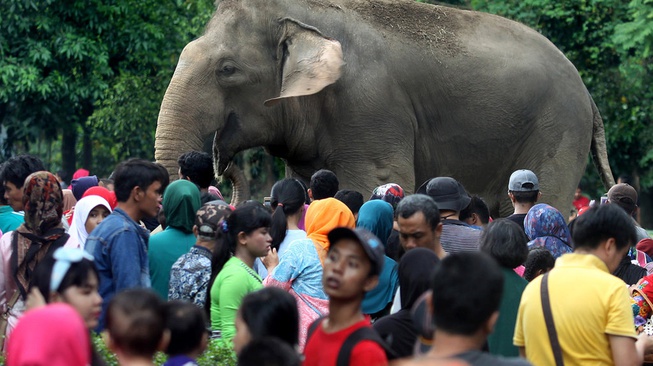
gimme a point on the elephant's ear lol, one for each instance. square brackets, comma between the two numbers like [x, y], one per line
[311, 61]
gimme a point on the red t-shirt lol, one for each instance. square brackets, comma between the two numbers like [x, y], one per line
[322, 348]
[581, 202]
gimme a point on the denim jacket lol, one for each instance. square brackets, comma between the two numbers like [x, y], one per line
[119, 246]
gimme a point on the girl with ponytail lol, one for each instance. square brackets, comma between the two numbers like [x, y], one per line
[244, 236]
[287, 201]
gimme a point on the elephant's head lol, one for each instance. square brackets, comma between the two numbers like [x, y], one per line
[234, 82]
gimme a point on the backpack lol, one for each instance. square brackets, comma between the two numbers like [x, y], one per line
[359, 335]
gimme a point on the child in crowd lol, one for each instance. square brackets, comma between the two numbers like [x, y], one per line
[188, 334]
[539, 261]
[270, 312]
[268, 351]
[69, 276]
[299, 271]
[135, 322]
[352, 267]
[90, 211]
[245, 237]
[287, 202]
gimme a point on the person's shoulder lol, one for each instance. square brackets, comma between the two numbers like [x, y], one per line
[486, 359]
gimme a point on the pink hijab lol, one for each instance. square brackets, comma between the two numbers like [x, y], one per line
[53, 335]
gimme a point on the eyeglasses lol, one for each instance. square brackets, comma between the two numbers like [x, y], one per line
[64, 257]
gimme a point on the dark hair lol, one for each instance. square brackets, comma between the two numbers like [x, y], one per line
[353, 199]
[463, 312]
[324, 184]
[525, 197]
[208, 197]
[626, 178]
[539, 259]
[19, 167]
[419, 203]
[247, 217]
[307, 199]
[602, 222]
[198, 167]
[137, 173]
[77, 275]
[268, 352]
[135, 320]
[506, 242]
[187, 325]
[476, 206]
[271, 312]
[3, 201]
[286, 198]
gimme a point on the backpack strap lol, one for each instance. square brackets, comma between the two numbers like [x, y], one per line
[359, 335]
[313, 327]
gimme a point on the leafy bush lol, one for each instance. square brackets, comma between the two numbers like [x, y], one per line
[217, 353]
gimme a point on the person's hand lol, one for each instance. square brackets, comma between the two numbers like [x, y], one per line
[271, 261]
[648, 343]
[34, 299]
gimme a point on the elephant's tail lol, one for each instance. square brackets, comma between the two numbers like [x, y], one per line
[599, 148]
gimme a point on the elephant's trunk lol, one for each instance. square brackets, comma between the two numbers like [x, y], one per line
[176, 134]
[239, 183]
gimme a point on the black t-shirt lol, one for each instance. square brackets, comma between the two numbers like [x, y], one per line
[398, 331]
[519, 219]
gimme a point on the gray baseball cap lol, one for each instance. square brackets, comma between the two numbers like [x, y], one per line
[370, 243]
[523, 181]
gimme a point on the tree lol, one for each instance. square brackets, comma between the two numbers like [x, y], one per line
[92, 68]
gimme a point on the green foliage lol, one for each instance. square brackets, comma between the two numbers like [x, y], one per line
[91, 65]
[217, 353]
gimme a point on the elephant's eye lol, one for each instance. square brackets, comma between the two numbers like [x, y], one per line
[227, 70]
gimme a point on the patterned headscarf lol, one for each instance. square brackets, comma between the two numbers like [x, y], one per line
[391, 193]
[322, 217]
[546, 228]
[43, 202]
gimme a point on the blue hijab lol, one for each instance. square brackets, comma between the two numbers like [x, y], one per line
[546, 227]
[377, 216]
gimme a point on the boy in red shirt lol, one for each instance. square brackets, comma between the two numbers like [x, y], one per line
[345, 337]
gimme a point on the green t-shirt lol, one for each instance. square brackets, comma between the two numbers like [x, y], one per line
[500, 341]
[234, 281]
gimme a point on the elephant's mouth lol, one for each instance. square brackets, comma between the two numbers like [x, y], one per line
[223, 155]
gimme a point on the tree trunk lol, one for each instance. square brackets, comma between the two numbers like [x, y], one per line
[68, 154]
[87, 149]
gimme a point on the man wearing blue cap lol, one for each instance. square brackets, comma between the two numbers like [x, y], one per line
[351, 268]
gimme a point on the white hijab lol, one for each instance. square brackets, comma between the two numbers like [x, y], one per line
[83, 208]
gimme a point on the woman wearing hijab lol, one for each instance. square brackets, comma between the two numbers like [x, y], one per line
[181, 200]
[53, 335]
[399, 330]
[89, 213]
[377, 216]
[546, 228]
[300, 269]
[22, 249]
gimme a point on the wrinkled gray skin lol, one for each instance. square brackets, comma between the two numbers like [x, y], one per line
[383, 91]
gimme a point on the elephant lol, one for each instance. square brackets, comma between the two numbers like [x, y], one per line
[383, 91]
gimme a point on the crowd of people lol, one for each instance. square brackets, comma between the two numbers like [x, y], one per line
[317, 276]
